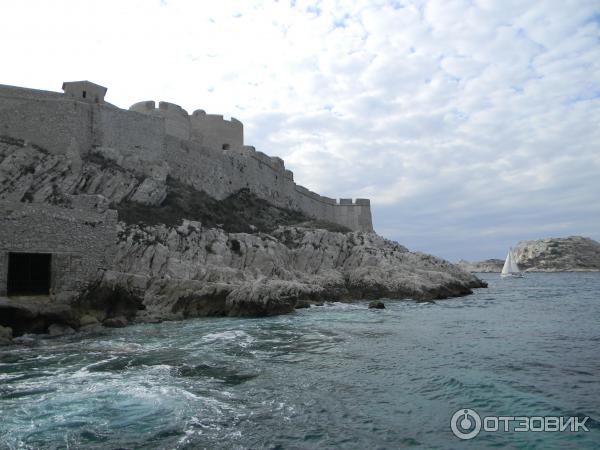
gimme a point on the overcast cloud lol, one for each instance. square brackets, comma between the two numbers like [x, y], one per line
[470, 124]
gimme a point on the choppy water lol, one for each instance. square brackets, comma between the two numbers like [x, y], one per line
[337, 376]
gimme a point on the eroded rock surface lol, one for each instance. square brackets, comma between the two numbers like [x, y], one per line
[571, 254]
[189, 270]
[489, 265]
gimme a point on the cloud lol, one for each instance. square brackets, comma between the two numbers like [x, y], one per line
[470, 124]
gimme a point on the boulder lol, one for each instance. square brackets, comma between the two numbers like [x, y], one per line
[115, 322]
[5, 335]
[376, 304]
[32, 315]
[269, 297]
[88, 320]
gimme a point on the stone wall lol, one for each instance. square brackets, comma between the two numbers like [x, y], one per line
[201, 150]
[51, 123]
[134, 141]
[23, 93]
[81, 241]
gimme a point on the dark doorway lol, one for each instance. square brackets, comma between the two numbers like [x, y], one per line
[29, 273]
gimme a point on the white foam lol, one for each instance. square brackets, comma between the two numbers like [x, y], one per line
[229, 335]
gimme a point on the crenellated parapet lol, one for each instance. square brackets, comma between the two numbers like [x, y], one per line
[217, 132]
[355, 215]
[210, 130]
[177, 121]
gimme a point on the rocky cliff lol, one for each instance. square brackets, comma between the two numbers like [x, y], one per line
[571, 254]
[191, 270]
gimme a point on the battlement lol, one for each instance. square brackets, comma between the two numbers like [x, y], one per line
[177, 122]
[217, 132]
[143, 107]
[358, 202]
[172, 107]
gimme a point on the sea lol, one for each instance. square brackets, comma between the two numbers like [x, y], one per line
[517, 358]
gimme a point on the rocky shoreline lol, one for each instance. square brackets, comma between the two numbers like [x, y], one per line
[173, 273]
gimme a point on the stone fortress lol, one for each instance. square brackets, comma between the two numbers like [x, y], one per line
[200, 150]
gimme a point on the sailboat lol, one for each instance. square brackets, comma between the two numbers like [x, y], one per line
[510, 268]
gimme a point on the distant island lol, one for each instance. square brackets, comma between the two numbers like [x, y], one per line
[570, 254]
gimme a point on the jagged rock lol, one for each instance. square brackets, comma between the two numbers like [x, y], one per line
[150, 192]
[27, 173]
[268, 297]
[376, 304]
[59, 330]
[190, 270]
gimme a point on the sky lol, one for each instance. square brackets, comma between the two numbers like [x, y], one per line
[470, 124]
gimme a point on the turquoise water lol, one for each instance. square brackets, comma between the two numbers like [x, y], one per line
[336, 376]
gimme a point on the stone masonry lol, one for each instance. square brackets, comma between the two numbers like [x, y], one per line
[81, 238]
[202, 150]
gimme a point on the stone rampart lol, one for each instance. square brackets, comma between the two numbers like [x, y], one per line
[202, 150]
[49, 122]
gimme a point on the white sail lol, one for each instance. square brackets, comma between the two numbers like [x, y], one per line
[506, 266]
[511, 268]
